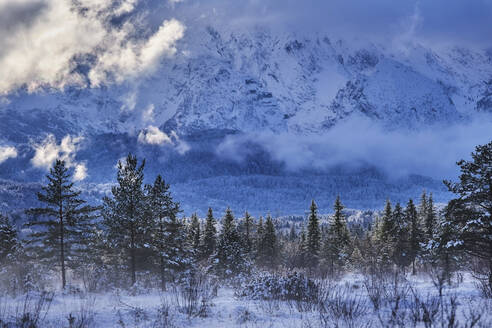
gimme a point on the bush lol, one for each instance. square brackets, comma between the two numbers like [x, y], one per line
[294, 286]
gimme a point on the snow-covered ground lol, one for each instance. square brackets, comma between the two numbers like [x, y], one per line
[347, 304]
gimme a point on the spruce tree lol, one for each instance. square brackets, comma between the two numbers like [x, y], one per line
[125, 212]
[194, 234]
[247, 233]
[415, 233]
[209, 236]
[430, 221]
[161, 212]
[267, 252]
[400, 254]
[313, 238]
[338, 238]
[471, 212]
[229, 257]
[385, 236]
[9, 240]
[65, 223]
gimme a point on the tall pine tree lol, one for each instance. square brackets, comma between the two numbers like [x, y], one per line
[209, 236]
[415, 233]
[313, 238]
[125, 212]
[9, 240]
[64, 224]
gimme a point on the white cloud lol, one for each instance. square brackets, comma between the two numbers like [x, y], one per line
[153, 136]
[7, 152]
[48, 150]
[80, 172]
[40, 41]
[148, 113]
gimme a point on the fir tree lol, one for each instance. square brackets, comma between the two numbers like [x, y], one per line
[229, 257]
[194, 234]
[66, 221]
[338, 239]
[247, 232]
[209, 236]
[430, 219]
[161, 211]
[267, 252]
[9, 241]
[415, 233]
[471, 212]
[313, 238]
[124, 213]
[385, 236]
[400, 253]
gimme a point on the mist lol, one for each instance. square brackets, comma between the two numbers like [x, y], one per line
[358, 142]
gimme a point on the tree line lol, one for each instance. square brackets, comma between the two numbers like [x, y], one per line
[137, 232]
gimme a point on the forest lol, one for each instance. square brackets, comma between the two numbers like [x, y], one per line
[416, 265]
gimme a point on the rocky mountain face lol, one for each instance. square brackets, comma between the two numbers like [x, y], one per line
[222, 83]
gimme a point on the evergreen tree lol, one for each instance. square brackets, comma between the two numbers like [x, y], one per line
[423, 206]
[229, 257]
[338, 239]
[247, 232]
[385, 236]
[430, 221]
[194, 234]
[471, 212]
[65, 223]
[415, 233]
[161, 211]
[209, 236]
[400, 253]
[267, 255]
[259, 237]
[313, 238]
[9, 241]
[124, 212]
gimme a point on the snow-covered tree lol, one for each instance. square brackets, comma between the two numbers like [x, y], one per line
[313, 237]
[9, 240]
[471, 213]
[415, 233]
[125, 212]
[62, 228]
[161, 211]
[209, 239]
[229, 255]
[337, 243]
[268, 249]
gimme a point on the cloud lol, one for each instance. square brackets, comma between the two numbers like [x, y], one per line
[7, 152]
[439, 21]
[153, 136]
[48, 150]
[359, 142]
[50, 43]
[80, 172]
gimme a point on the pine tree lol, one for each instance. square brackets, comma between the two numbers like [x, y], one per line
[313, 238]
[423, 206]
[161, 211]
[471, 212]
[267, 252]
[338, 239]
[430, 219]
[124, 213]
[229, 257]
[247, 232]
[9, 240]
[66, 222]
[385, 236]
[209, 236]
[259, 237]
[400, 253]
[415, 233]
[194, 234]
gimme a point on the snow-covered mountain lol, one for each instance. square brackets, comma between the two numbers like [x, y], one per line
[224, 83]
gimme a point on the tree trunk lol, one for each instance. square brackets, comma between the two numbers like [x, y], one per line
[132, 256]
[62, 248]
[161, 237]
